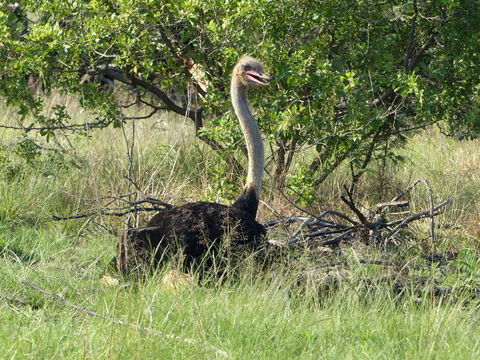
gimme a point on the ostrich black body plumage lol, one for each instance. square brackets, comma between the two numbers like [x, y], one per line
[199, 229]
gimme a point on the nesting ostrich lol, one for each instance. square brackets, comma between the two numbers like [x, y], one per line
[198, 228]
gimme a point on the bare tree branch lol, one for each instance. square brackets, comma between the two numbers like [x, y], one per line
[73, 127]
[122, 210]
[430, 213]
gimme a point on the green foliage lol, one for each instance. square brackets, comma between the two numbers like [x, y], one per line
[300, 185]
[222, 187]
[468, 264]
[28, 149]
[349, 76]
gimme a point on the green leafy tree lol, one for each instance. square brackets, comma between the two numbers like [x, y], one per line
[352, 78]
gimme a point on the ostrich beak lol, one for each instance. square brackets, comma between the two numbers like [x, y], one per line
[258, 77]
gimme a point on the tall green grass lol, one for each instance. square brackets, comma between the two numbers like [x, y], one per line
[248, 320]
[282, 313]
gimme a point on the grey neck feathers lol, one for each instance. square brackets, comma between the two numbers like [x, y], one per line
[254, 142]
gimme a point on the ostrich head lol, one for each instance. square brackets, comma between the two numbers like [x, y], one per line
[249, 72]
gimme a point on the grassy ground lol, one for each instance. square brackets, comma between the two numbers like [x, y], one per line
[330, 314]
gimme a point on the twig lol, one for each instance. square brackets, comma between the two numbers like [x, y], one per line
[403, 192]
[430, 198]
[339, 214]
[336, 240]
[432, 218]
[312, 221]
[289, 220]
[381, 206]
[352, 206]
[299, 230]
[151, 200]
[106, 213]
[415, 216]
[91, 125]
[120, 211]
[329, 232]
[124, 323]
[130, 147]
[274, 212]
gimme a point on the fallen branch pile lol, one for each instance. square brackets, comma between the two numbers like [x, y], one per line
[380, 225]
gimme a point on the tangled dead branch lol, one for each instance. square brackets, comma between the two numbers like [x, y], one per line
[129, 208]
[379, 225]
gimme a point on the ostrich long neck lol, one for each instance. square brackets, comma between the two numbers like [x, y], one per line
[248, 199]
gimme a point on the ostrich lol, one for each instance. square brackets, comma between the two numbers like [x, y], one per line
[197, 228]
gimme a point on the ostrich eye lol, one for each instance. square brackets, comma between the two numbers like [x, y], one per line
[247, 67]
